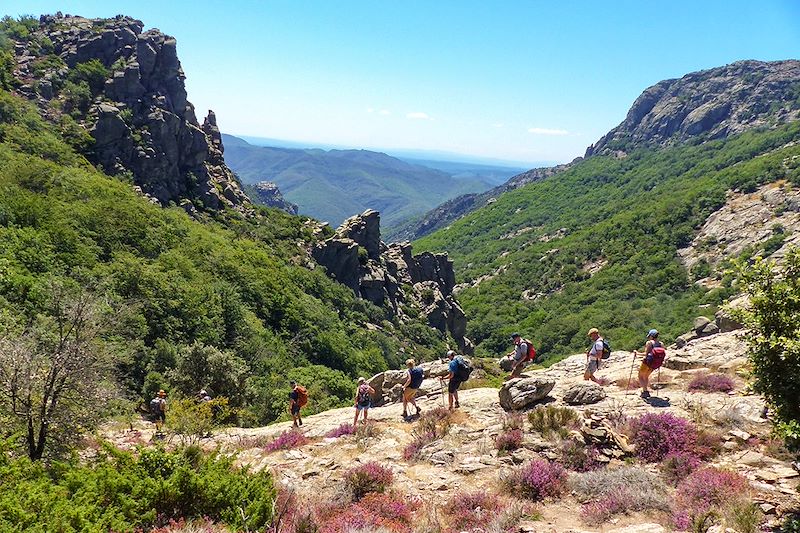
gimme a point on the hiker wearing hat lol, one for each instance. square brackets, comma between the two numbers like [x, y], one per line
[522, 353]
[593, 355]
[454, 378]
[158, 409]
[654, 354]
[413, 381]
[363, 399]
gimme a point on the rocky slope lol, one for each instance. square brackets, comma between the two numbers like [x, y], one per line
[709, 104]
[467, 460]
[267, 193]
[390, 276]
[126, 87]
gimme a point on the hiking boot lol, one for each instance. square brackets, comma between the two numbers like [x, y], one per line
[418, 410]
[301, 422]
[458, 404]
[405, 415]
[645, 394]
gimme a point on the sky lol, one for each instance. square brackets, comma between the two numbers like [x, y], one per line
[521, 81]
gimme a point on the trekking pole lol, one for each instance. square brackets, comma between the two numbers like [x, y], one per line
[441, 383]
[630, 375]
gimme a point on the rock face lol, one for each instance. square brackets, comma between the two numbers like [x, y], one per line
[267, 193]
[712, 103]
[392, 277]
[584, 393]
[522, 392]
[135, 106]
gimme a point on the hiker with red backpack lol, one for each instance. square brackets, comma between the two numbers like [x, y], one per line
[363, 399]
[297, 398]
[523, 353]
[654, 354]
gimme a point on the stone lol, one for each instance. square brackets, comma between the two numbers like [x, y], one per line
[725, 322]
[739, 434]
[710, 329]
[268, 194]
[699, 323]
[522, 392]
[584, 393]
[767, 508]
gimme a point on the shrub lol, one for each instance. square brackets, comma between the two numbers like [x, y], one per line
[711, 383]
[514, 420]
[344, 429]
[508, 440]
[656, 435]
[432, 425]
[473, 510]
[537, 480]
[192, 526]
[367, 478]
[549, 420]
[286, 441]
[676, 466]
[621, 490]
[376, 513]
[708, 493]
[413, 449]
[192, 420]
[707, 444]
[578, 457]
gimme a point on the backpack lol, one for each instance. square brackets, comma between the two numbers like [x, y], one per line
[302, 395]
[465, 368]
[417, 376]
[363, 397]
[606, 349]
[155, 406]
[531, 351]
[657, 355]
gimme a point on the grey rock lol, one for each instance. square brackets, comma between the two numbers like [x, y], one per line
[584, 393]
[725, 322]
[710, 329]
[522, 392]
[700, 323]
[268, 194]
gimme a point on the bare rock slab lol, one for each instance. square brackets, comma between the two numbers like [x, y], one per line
[520, 393]
[584, 393]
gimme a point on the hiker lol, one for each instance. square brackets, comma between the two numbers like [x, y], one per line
[455, 378]
[363, 399]
[415, 376]
[203, 396]
[297, 399]
[522, 353]
[654, 354]
[593, 356]
[158, 410]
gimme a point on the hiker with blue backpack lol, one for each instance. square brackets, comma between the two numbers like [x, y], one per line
[600, 350]
[415, 376]
[654, 354]
[460, 369]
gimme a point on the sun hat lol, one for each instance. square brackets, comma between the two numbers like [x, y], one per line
[652, 333]
[515, 335]
[450, 353]
[361, 380]
[162, 393]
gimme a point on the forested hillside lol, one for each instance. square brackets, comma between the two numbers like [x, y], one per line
[596, 245]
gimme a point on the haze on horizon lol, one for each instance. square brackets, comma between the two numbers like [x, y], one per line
[515, 81]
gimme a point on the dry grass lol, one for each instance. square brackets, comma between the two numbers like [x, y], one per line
[551, 421]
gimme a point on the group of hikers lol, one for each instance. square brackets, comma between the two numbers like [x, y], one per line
[459, 370]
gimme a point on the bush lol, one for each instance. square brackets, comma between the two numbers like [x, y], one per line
[344, 429]
[677, 466]
[473, 510]
[286, 441]
[711, 383]
[707, 495]
[537, 480]
[656, 435]
[192, 420]
[431, 426]
[578, 457]
[549, 420]
[514, 420]
[367, 478]
[92, 72]
[376, 513]
[508, 440]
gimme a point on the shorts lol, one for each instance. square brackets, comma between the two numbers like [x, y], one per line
[159, 416]
[453, 386]
[363, 407]
[295, 409]
[409, 393]
[645, 370]
[592, 366]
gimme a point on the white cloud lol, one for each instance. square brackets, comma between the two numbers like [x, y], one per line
[370, 110]
[547, 131]
[418, 116]
[498, 125]
[385, 112]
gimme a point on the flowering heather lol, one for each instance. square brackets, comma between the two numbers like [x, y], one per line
[508, 440]
[619, 490]
[369, 477]
[656, 435]
[286, 441]
[677, 466]
[472, 511]
[578, 457]
[708, 489]
[375, 512]
[513, 420]
[601, 509]
[344, 429]
[538, 480]
[413, 448]
[711, 383]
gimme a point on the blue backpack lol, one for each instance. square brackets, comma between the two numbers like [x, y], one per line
[417, 375]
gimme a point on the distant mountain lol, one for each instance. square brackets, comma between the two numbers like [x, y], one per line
[333, 185]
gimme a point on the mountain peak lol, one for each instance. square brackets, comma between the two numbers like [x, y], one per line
[708, 104]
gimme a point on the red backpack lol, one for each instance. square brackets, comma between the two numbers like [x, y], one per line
[656, 357]
[302, 396]
[531, 351]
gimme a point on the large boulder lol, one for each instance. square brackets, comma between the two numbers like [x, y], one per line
[584, 393]
[522, 392]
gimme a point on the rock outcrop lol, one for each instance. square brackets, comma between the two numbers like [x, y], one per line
[519, 393]
[268, 194]
[392, 277]
[710, 104]
[125, 86]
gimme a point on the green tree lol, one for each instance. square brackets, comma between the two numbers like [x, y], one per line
[773, 319]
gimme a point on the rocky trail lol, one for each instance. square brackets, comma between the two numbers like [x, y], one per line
[466, 458]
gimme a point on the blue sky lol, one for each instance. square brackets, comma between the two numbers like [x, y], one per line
[521, 81]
